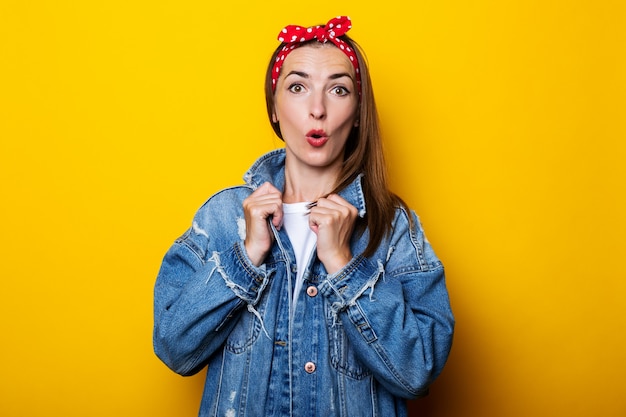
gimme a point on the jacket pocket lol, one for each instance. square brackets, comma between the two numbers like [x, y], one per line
[342, 355]
[245, 333]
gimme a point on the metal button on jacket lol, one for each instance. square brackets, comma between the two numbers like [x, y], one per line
[311, 291]
[309, 367]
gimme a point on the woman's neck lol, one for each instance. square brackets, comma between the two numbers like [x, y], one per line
[307, 184]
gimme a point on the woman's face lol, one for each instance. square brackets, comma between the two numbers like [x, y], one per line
[316, 104]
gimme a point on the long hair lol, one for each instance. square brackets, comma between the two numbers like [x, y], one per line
[363, 154]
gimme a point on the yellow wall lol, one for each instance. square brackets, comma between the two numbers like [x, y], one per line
[505, 127]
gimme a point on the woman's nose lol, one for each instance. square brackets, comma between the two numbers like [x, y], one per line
[318, 107]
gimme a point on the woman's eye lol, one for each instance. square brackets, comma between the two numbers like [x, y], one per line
[296, 88]
[340, 91]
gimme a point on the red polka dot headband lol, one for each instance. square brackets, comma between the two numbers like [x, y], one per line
[293, 36]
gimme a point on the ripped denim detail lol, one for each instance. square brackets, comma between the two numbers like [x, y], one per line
[249, 295]
[342, 304]
[240, 291]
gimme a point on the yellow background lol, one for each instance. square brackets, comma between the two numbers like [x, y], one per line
[505, 129]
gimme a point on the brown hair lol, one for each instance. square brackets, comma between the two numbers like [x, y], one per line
[363, 154]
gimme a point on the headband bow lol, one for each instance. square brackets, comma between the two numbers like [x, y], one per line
[294, 36]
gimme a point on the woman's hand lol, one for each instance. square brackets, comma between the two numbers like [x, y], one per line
[332, 219]
[266, 202]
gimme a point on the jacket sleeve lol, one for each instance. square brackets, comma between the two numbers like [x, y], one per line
[396, 311]
[198, 298]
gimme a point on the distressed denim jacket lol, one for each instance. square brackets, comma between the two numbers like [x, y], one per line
[360, 341]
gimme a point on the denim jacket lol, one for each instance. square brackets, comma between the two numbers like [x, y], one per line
[360, 341]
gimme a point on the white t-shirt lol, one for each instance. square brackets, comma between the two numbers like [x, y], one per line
[302, 238]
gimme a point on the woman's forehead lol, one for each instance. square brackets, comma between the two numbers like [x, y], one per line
[318, 56]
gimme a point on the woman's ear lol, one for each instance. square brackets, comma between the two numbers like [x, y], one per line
[274, 117]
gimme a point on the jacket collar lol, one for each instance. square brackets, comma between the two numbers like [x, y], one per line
[271, 168]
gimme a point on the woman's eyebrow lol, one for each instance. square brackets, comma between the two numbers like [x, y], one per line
[339, 75]
[298, 73]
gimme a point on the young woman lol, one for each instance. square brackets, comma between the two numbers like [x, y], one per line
[311, 290]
